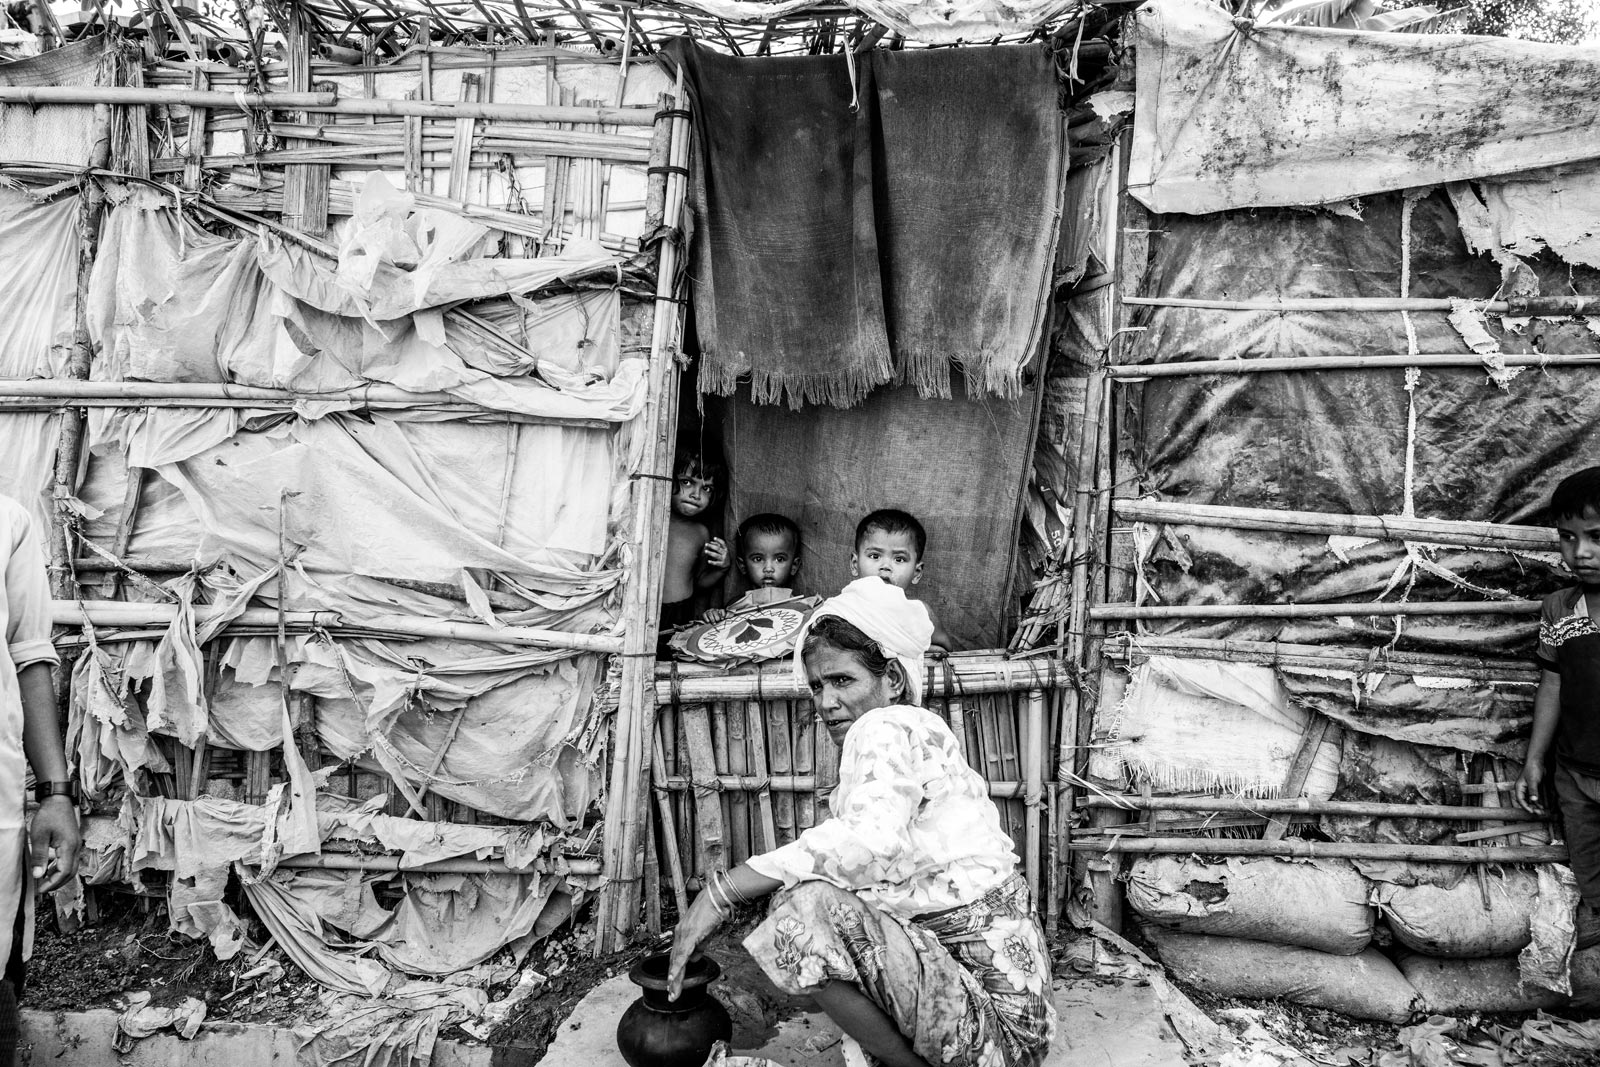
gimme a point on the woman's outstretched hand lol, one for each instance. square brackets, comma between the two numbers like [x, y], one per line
[701, 922]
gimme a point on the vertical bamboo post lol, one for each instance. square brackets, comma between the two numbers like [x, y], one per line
[1033, 785]
[305, 185]
[803, 759]
[1091, 522]
[669, 828]
[630, 766]
[778, 738]
[735, 731]
[760, 766]
[69, 445]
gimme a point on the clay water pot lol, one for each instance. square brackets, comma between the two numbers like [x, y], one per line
[657, 1032]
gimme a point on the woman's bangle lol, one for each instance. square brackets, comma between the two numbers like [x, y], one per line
[730, 888]
[721, 907]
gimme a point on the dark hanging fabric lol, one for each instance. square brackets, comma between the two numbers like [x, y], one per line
[850, 231]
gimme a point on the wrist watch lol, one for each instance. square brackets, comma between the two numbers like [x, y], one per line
[42, 791]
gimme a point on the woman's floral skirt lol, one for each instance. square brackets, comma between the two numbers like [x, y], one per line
[969, 986]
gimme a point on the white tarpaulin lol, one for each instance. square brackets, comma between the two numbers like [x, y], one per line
[1234, 114]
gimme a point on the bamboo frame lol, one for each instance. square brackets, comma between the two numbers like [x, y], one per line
[1301, 849]
[1308, 806]
[1124, 372]
[999, 789]
[126, 96]
[1539, 305]
[116, 613]
[347, 861]
[1385, 527]
[1366, 609]
[634, 722]
[1133, 648]
[966, 676]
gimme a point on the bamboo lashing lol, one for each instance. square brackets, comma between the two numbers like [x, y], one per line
[635, 718]
[1136, 648]
[345, 861]
[1312, 611]
[1297, 848]
[796, 783]
[1519, 308]
[1307, 806]
[1384, 527]
[1273, 364]
[124, 96]
[116, 613]
[776, 681]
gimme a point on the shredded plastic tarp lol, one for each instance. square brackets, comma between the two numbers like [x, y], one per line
[1232, 113]
[172, 302]
[1207, 724]
[1447, 443]
[929, 21]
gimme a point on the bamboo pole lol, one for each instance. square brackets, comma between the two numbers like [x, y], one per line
[134, 96]
[346, 861]
[797, 783]
[1387, 527]
[1125, 261]
[669, 829]
[1130, 648]
[634, 722]
[1033, 782]
[125, 96]
[1546, 305]
[69, 442]
[1301, 849]
[117, 613]
[374, 395]
[777, 681]
[1307, 806]
[1366, 609]
[1271, 364]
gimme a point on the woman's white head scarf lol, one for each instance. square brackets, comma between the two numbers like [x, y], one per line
[882, 611]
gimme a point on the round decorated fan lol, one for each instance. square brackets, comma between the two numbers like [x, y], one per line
[758, 634]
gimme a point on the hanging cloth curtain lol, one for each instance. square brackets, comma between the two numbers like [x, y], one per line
[857, 226]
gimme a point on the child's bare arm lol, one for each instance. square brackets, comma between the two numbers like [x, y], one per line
[714, 560]
[1546, 713]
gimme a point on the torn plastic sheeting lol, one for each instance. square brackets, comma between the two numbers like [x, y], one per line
[1257, 567]
[1235, 116]
[939, 22]
[1376, 768]
[1335, 441]
[1547, 960]
[1207, 724]
[398, 1030]
[170, 301]
[1487, 717]
[526, 746]
[437, 272]
[38, 282]
[1522, 214]
[343, 472]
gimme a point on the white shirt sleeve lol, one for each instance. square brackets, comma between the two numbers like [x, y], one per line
[868, 841]
[27, 599]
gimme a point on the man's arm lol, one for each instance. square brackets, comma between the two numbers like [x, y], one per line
[55, 824]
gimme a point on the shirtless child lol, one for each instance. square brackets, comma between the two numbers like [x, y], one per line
[695, 559]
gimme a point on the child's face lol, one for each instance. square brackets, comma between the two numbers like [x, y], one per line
[770, 559]
[691, 494]
[1580, 545]
[890, 556]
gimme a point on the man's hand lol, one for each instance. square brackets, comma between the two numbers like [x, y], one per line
[55, 829]
[1527, 788]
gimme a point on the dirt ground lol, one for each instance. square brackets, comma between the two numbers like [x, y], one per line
[129, 949]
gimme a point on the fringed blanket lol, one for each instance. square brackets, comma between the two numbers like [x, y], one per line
[854, 226]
